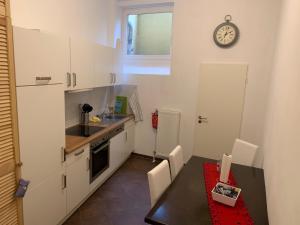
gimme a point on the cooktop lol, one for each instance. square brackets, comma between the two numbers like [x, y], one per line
[83, 130]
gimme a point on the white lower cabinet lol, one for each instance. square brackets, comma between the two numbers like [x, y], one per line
[117, 147]
[129, 134]
[46, 203]
[122, 145]
[42, 140]
[77, 176]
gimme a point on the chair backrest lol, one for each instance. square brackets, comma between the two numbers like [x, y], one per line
[176, 161]
[159, 179]
[243, 152]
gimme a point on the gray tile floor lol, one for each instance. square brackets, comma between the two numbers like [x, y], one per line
[122, 200]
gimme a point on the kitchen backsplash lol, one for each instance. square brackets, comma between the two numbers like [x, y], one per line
[98, 98]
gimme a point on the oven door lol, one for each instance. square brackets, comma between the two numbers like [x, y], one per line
[99, 160]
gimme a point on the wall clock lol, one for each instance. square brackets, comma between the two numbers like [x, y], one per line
[226, 34]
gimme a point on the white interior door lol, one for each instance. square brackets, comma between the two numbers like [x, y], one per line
[220, 107]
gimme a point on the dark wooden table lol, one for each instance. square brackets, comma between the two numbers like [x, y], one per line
[185, 201]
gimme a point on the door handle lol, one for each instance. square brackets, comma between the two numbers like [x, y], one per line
[202, 119]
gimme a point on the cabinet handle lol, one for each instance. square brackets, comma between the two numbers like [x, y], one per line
[74, 79]
[101, 148]
[63, 155]
[87, 164]
[68, 79]
[43, 78]
[111, 78]
[126, 137]
[64, 182]
[79, 153]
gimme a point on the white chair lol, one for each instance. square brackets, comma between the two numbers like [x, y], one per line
[176, 161]
[159, 180]
[243, 152]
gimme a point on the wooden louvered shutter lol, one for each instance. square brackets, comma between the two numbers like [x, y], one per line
[10, 207]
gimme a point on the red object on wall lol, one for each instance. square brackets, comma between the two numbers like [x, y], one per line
[155, 119]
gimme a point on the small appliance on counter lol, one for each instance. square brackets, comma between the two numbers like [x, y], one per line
[85, 110]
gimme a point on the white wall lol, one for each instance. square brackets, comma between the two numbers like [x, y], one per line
[194, 23]
[282, 142]
[98, 98]
[90, 19]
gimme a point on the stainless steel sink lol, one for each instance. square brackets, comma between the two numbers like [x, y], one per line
[112, 118]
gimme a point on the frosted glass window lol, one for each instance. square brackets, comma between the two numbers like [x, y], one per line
[149, 34]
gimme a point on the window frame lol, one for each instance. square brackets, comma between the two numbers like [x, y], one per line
[143, 10]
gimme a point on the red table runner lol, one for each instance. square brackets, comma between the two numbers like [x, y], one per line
[222, 214]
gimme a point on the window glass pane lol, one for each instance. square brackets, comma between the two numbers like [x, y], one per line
[149, 34]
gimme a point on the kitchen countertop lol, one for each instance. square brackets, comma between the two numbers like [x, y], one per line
[75, 142]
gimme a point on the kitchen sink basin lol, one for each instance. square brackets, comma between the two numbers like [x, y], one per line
[114, 117]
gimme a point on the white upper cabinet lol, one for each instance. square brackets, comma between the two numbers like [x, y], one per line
[82, 70]
[117, 63]
[104, 65]
[40, 57]
[43, 58]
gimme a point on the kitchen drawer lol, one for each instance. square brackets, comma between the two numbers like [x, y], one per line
[83, 151]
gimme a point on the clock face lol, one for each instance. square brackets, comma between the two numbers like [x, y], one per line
[226, 35]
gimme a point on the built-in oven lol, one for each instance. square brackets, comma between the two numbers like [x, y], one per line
[100, 153]
[99, 158]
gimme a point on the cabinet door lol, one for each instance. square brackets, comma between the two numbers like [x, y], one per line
[78, 177]
[104, 59]
[82, 64]
[39, 54]
[117, 150]
[130, 132]
[117, 63]
[46, 203]
[41, 130]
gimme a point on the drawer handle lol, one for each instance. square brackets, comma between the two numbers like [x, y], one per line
[43, 78]
[79, 153]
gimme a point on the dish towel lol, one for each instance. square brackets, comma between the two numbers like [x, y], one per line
[136, 107]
